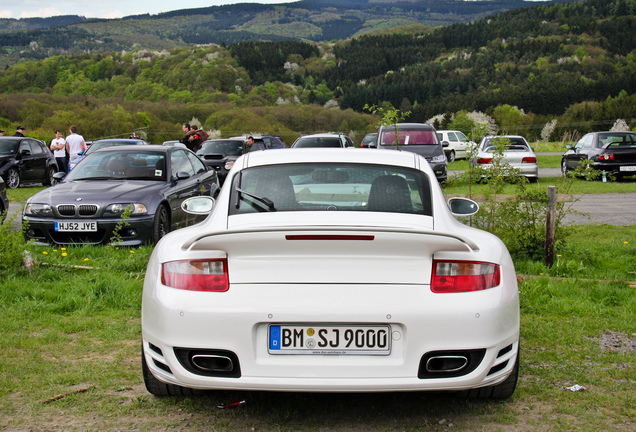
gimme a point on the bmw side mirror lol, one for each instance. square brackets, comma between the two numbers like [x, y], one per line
[460, 206]
[199, 205]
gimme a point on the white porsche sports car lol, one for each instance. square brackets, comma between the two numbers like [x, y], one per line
[331, 270]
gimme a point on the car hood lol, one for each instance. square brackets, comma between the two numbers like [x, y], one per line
[99, 191]
[6, 158]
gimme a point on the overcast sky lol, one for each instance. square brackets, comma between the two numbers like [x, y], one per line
[107, 8]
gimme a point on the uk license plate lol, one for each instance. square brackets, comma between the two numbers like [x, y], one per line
[628, 168]
[329, 339]
[76, 226]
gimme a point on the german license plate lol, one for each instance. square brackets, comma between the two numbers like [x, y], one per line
[76, 226]
[628, 168]
[338, 339]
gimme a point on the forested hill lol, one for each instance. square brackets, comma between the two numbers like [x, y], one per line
[572, 62]
[311, 20]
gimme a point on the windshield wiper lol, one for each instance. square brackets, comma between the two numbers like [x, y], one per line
[268, 202]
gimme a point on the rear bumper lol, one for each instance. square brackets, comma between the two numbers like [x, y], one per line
[421, 323]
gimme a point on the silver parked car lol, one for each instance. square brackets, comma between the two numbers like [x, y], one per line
[516, 152]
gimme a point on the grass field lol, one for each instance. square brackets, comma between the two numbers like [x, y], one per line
[70, 354]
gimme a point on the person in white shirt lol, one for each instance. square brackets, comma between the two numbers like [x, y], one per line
[75, 144]
[58, 146]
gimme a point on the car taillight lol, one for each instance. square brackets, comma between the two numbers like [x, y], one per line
[529, 160]
[606, 157]
[484, 160]
[196, 275]
[463, 276]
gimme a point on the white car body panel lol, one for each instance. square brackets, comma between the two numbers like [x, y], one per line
[457, 141]
[385, 281]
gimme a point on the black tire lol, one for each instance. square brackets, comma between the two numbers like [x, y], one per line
[564, 168]
[50, 181]
[13, 178]
[161, 224]
[499, 391]
[158, 388]
[451, 156]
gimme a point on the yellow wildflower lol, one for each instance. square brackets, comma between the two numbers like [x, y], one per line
[45, 253]
[64, 254]
[626, 242]
[86, 259]
[132, 251]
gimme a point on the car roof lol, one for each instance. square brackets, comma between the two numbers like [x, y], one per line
[132, 140]
[135, 148]
[332, 155]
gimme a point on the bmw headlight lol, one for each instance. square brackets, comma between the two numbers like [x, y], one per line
[117, 209]
[38, 210]
[438, 158]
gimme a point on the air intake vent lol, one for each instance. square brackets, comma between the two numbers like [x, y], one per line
[88, 209]
[66, 210]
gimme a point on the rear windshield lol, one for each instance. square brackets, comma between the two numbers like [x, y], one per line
[317, 142]
[333, 187]
[618, 140]
[409, 137]
[228, 148]
[512, 144]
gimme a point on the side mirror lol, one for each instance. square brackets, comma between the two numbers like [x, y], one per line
[25, 152]
[445, 143]
[59, 175]
[182, 175]
[199, 205]
[462, 206]
[569, 147]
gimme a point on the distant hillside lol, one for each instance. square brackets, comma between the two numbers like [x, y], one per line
[310, 20]
[572, 62]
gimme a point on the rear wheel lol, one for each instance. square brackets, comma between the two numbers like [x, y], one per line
[50, 181]
[451, 156]
[13, 178]
[161, 225]
[158, 388]
[499, 391]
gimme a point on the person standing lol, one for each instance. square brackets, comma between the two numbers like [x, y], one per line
[253, 146]
[19, 132]
[58, 146]
[75, 144]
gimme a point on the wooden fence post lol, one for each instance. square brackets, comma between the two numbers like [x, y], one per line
[550, 219]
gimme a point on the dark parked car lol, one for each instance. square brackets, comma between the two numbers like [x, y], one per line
[327, 139]
[96, 145]
[26, 160]
[128, 195]
[220, 154]
[368, 139]
[4, 201]
[270, 142]
[611, 152]
[419, 138]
